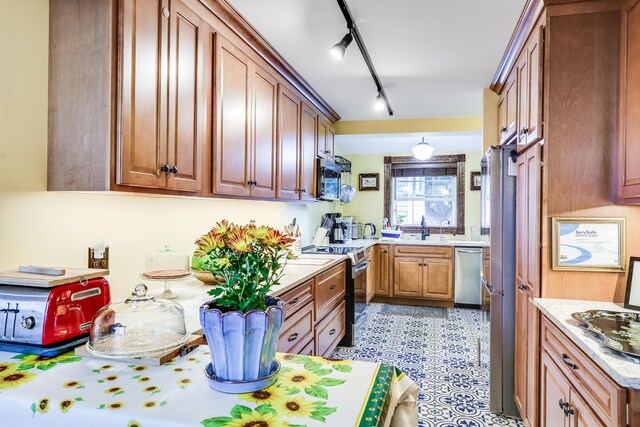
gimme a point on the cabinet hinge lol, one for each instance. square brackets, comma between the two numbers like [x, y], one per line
[541, 164]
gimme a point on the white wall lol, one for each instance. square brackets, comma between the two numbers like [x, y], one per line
[53, 228]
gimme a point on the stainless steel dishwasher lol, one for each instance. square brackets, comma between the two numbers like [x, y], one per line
[468, 286]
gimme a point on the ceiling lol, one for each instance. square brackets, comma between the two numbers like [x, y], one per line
[433, 56]
[402, 143]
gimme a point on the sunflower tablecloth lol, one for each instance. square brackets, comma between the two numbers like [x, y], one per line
[310, 391]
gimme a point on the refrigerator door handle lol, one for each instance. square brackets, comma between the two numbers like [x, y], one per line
[488, 286]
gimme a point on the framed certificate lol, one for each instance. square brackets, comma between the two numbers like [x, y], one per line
[588, 244]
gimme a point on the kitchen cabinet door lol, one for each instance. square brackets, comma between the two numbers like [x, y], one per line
[308, 132]
[408, 277]
[233, 100]
[583, 415]
[322, 137]
[383, 268]
[522, 343]
[188, 102]
[522, 84]
[330, 143]
[502, 117]
[511, 108]
[288, 144]
[438, 279]
[628, 161]
[533, 194]
[555, 392]
[142, 144]
[264, 88]
[372, 273]
[535, 59]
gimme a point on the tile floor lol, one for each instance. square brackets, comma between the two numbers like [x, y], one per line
[437, 348]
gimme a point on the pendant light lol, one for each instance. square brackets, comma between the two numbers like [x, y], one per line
[422, 151]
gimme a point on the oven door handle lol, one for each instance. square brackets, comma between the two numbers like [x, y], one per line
[357, 269]
[488, 286]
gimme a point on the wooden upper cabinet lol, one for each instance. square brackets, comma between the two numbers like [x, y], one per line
[529, 72]
[322, 137]
[533, 161]
[187, 94]
[502, 117]
[288, 166]
[330, 143]
[263, 133]
[142, 144]
[163, 106]
[232, 152]
[628, 167]
[308, 137]
[511, 108]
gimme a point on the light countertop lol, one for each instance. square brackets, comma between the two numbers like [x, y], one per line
[620, 368]
[192, 293]
[434, 241]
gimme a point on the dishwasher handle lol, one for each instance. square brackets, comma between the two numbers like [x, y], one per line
[488, 286]
[469, 251]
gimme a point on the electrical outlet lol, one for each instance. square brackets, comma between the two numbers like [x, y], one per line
[99, 262]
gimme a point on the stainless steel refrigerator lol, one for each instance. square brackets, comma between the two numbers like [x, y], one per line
[498, 220]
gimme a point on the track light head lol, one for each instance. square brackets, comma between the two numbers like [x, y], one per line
[338, 49]
[380, 104]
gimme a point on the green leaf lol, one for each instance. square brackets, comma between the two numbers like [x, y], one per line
[317, 391]
[33, 407]
[78, 399]
[238, 410]
[318, 418]
[321, 371]
[330, 382]
[342, 368]
[216, 421]
[25, 366]
[297, 425]
[285, 369]
[119, 392]
[324, 410]
[293, 390]
[311, 365]
[20, 356]
[47, 366]
[71, 359]
[265, 408]
[102, 406]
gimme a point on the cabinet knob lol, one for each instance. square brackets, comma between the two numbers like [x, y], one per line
[331, 332]
[165, 12]
[293, 337]
[255, 182]
[503, 129]
[249, 182]
[570, 363]
[174, 170]
[165, 169]
[524, 131]
[295, 300]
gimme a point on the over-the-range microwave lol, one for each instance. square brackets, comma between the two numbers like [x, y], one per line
[328, 180]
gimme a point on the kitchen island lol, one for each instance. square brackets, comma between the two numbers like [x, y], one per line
[72, 391]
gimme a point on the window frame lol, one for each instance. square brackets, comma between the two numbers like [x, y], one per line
[459, 159]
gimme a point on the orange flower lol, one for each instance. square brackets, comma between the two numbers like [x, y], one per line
[207, 243]
[276, 239]
[222, 228]
[240, 240]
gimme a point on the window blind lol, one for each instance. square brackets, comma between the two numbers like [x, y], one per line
[424, 169]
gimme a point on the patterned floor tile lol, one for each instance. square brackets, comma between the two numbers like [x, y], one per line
[438, 349]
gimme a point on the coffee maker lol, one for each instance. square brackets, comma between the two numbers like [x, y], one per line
[339, 229]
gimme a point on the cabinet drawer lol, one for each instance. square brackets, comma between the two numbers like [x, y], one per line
[296, 330]
[330, 290]
[605, 397]
[309, 349]
[297, 298]
[330, 331]
[430, 251]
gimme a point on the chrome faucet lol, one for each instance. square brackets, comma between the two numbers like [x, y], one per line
[425, 229]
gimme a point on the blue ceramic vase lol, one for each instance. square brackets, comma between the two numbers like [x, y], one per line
[243, 346]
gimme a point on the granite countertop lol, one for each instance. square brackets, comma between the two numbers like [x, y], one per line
[367, 243]
[622, 369]
[192, 293]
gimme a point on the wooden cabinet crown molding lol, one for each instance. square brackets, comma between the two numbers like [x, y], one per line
[238, 24]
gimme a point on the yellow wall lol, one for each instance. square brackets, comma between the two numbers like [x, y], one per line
[433, 124]
[489, 118]
[48, 228]
[367, 206]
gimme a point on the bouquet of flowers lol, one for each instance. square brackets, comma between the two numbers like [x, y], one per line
[247, 261]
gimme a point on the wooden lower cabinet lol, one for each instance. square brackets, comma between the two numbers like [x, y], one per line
[383, 268]
[526, 356]
[364, 289]
[330, 331]
[428, 277]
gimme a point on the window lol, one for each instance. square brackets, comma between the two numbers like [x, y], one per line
[433, 188]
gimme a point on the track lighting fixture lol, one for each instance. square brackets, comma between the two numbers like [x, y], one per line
[379, 105]
[422, 151]
[338, 49]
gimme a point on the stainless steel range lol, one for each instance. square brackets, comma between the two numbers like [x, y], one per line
[357, 265]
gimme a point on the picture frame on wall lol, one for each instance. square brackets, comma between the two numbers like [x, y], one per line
[588, 244]
[476, 181]
[369, 182]
[632, 295]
